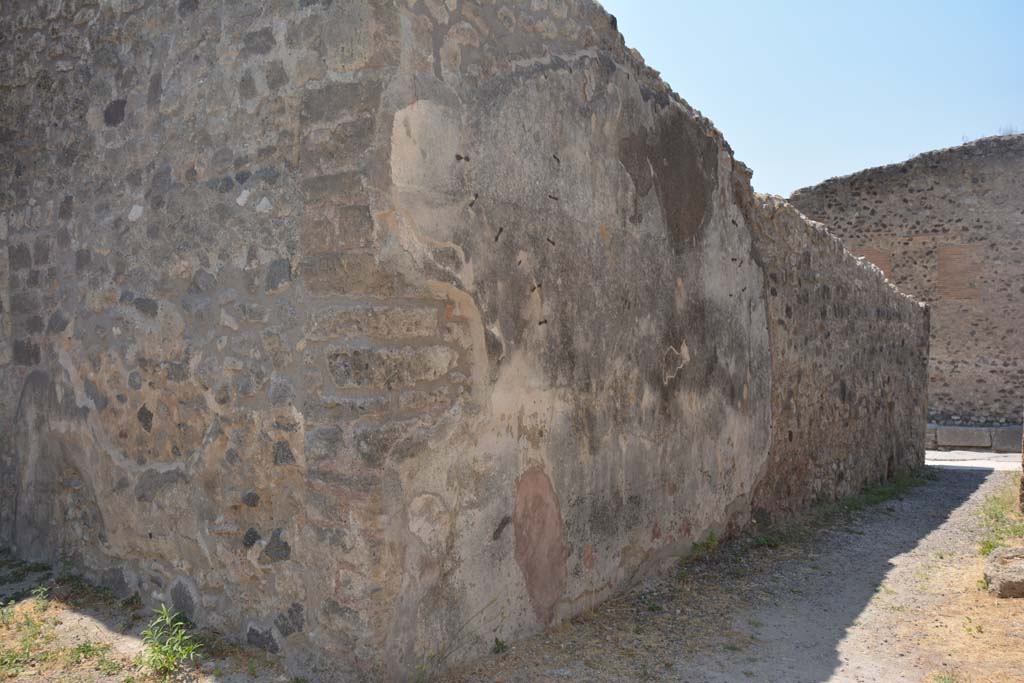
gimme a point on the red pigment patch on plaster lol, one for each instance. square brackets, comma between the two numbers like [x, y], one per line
[588, 556]
[539, 542]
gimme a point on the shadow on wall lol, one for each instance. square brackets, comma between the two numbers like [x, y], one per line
[815, 602]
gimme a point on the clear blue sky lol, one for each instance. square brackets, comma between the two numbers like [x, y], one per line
[804, 90]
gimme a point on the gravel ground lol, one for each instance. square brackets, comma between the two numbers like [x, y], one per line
[889, 594]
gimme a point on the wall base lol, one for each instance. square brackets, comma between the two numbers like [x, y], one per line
[997, 439]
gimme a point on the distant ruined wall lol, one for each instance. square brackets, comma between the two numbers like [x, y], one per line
[948, 228]
[367, 332]
[849, 367]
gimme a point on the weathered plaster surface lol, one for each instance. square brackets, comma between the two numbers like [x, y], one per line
[368, 332]
[948, 228]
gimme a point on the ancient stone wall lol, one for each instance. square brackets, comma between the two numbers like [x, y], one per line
[8, 485]
[849, 366]
[948, 227]
[367, 332]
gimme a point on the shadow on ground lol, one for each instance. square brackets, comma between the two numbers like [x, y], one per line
[805, 631]
[795, 613]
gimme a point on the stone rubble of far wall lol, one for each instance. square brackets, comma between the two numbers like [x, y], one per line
[948, 228]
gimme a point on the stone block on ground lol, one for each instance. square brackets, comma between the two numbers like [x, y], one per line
[1004, 572]
[1006, 439]
[964, 437]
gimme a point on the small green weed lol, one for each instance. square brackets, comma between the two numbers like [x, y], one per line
[41, 595]
[169, 645]
[109, 667]
[7, 614]
[32, 648]
[768, 541]
[895, 488]
[86, 651]
[707, 546]
[499, 646]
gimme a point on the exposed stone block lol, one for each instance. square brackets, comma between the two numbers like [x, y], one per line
[1006, 439]
[1004, 572]
[340, 187]
[341, 146]
[348, 273]
[19, 256]
[283, 454]
[335, 100]
[113, 113]
[389, 368]
[146, 306]
[258, 42]
[26, 352]
[964, 437]
[153, 482]
[384, 321]
[262, 639]
[279, 272]
[336, 227]
[330, 408]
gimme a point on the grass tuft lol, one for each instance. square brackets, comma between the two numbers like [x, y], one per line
[1001, 517]
[169, 645]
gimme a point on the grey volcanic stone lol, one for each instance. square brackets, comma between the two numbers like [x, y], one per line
[277, 549]
[114, 112]
[278, 272]
[262, 639]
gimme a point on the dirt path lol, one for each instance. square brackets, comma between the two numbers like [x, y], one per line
[890, 595]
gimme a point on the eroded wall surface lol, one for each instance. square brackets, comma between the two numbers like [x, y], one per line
[367, 332]
[948, 228]
[849, 367]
